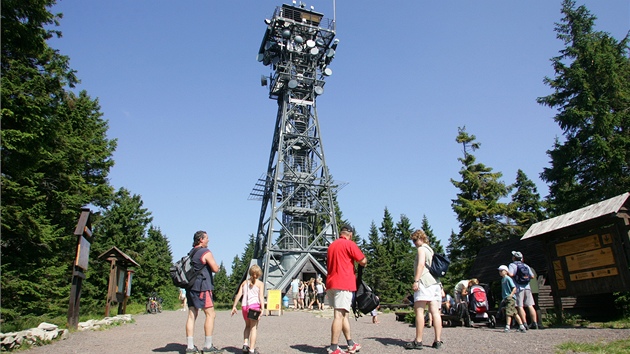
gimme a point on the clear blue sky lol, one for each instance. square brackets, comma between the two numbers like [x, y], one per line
[179, 83]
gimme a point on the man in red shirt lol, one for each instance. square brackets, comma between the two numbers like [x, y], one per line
[341, 284]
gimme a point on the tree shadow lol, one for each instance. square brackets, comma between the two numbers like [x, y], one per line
[303, 348]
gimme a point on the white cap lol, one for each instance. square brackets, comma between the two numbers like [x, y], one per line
[503, 267]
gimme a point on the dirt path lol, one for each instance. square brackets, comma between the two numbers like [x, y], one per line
[309, 332]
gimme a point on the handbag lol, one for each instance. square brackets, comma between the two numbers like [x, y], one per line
[253, 314]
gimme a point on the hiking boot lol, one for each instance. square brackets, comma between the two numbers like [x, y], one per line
[338, 351]
[414, 345]
[355, 348]
[192, 350]
[245, 349]
[212, 349]
[437, 345]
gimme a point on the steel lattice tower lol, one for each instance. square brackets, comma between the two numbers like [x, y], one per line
[297, 218]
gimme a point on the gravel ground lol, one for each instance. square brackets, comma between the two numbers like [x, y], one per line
[309, 332]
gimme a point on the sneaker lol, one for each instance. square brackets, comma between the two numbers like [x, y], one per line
[437, 345]
[245, 349]
[522, 330]
[192, 350]
[506, 330]
[338, 351]
[212, 349]
[355, 348]
[414, 345]
[534, 325]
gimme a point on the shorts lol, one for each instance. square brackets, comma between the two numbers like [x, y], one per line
[320, 297]
[200, 299]
[340, 299]
[510, 306]
[524, 298]
[431, 293]
[295, 295]
[244, 310]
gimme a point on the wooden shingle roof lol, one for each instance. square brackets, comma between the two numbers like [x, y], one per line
[606, 208]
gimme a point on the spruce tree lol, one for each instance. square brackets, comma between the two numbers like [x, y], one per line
[591, 93]
[526, 207]
[477, 206]
[55, 159]
[223, 291]
[435, 243]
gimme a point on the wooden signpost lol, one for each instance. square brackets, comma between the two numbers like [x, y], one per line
[83, 231]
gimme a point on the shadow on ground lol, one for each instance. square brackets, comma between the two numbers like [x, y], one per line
[181, 348]
[171, 347]
[389, 341]
[303, 348]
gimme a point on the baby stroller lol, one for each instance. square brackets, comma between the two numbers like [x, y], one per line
[478, 306]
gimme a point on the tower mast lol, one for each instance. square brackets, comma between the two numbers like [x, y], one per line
[297, 218]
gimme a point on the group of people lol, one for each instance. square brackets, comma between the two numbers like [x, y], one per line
[516, 293]
[308, 294]
[199, 296]
[340, 285]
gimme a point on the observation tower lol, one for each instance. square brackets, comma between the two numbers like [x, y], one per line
[297, 218]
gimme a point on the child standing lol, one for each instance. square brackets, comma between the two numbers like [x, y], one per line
[509, 300]
[252, 290]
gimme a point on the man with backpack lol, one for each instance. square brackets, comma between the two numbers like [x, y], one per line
[521, 273]
[341, 284]
[199, 295]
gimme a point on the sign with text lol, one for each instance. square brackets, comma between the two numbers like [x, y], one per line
[274, 300]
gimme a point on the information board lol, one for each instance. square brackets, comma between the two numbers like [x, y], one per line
[274, 298]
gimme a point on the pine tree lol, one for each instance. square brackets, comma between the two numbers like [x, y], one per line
[223, 291]
[155, 261]
[435, 243]
[526, 207]
[240, 265]
[388, 284]
[123, 225]
[477, 207]
[592, 96]
[55, 159]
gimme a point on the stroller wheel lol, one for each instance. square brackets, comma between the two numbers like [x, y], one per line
[493, 322]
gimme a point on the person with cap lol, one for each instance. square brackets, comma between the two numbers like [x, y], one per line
[341, 284]
[508, 294]
[518, 271]
[199, 296]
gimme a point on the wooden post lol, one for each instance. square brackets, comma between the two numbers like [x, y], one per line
[83, 231]
[111, 289]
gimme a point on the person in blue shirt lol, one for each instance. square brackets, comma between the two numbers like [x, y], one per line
[508, 290]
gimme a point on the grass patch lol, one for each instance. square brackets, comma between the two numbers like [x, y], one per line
[616, 347]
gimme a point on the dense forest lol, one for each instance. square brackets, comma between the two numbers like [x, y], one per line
[56, 158]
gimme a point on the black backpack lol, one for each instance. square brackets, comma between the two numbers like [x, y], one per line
[364, 300]
[439, 265]
[183, 272]
[522, 275]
